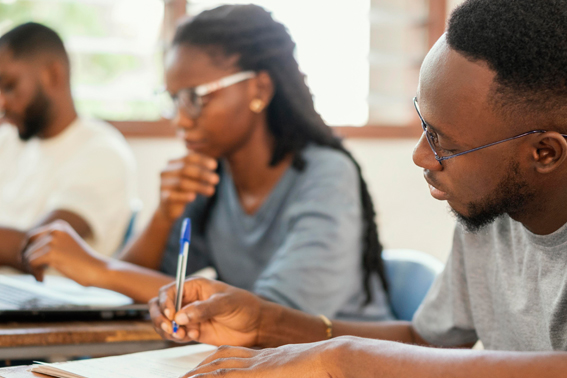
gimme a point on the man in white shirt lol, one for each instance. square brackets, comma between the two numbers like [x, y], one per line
[55, 165]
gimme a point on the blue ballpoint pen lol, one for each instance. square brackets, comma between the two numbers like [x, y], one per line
[184, 242]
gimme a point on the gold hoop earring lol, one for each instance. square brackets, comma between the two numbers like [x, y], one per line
[257, 105]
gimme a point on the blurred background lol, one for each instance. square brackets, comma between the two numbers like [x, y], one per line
[361, 59]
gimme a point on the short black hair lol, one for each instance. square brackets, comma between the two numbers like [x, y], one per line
[30, 39]
[524, 42]
[262, 44]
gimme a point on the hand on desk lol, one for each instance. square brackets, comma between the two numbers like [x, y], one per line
[58, 245]
[183, 179]
[297, 360]
[213, 313]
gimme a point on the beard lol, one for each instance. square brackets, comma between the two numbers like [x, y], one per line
[510, 196]
[36, 116]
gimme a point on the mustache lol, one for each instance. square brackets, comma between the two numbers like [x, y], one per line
[430, 178]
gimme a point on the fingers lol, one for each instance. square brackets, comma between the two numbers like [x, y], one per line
[39, 232]
[36, 256]
[172, 196]
[225, 352]
[202, 301]
[182, 184]
[166, 300]
[202, 160]
[161, 324]
[39, 257]
[232, 367]
[194, 173]
[194, 166]
[157, 317]
[55, 227]
[226, 362]
[200, 311]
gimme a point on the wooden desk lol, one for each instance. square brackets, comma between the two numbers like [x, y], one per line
[74, 339]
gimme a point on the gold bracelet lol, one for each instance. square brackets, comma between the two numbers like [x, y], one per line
[329, 326]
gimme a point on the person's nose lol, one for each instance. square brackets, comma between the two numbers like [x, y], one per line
[424, 157]
[2, 104]
[182, 121]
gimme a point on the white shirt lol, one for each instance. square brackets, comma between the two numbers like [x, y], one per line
[88, 169]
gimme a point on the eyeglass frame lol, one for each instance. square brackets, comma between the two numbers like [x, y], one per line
[443, 158]
[202, 90]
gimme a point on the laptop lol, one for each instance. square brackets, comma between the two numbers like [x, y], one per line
[23, 299]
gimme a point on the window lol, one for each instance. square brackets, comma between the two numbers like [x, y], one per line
[361, 57]
[114, 47]
[332, 44]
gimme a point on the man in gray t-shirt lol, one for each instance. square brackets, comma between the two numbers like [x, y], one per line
[492, 101]
[503, 285]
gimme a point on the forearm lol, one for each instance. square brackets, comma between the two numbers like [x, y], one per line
[147, 249]
[356, 357]
[136, 282]
[397, 330]
[281, 325]
[11, 244]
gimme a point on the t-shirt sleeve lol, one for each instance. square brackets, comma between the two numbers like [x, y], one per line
[97, 185]
[445, 318]
[318, 266]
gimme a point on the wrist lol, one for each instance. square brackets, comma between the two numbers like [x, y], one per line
[101, 274]
[349, 356]
[161, 219]
[15, 243]
[333, 355]
[279, 325]
[267, 323]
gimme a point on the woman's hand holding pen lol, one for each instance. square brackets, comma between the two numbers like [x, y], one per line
[213, 313]
[183, 179]
[58, 245]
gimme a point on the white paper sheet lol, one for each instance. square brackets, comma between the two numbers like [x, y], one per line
[164, 363]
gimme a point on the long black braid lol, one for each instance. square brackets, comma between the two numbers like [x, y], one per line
[262, 44]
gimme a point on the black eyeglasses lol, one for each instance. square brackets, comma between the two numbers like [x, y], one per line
[432, 138]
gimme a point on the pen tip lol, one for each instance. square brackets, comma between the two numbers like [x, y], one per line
[175, 327]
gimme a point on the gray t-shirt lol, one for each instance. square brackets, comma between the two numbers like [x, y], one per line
[302, 248]
[505, 286]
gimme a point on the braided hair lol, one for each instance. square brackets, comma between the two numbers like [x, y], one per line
[262, 44]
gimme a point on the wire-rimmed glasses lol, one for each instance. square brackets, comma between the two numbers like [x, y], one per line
[432, 138]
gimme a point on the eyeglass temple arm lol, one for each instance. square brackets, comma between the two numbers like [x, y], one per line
[493, 144]
[205, 89]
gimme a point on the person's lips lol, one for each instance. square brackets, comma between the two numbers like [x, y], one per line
[6, 118]
[195, 144]
[436, 193]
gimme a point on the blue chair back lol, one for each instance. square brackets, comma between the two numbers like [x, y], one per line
[135, 206]
[410, 274]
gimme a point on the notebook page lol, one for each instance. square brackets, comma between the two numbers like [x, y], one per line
[164, 363]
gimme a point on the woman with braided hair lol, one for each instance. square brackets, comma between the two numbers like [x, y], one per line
[279, 206]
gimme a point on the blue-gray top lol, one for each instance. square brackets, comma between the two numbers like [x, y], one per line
[302, 248]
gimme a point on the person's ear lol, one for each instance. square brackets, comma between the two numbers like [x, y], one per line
[549, 152]
[55, 75]
[263, 92]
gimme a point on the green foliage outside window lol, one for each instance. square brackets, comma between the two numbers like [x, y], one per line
[107, 82]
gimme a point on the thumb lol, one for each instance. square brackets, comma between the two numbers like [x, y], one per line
[202, 311]
[38, 273]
